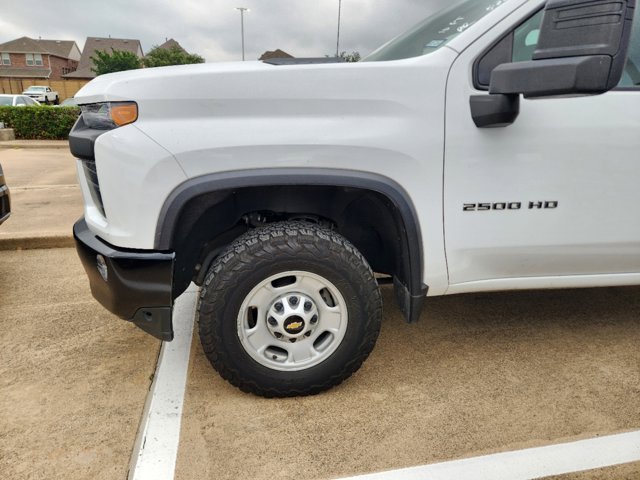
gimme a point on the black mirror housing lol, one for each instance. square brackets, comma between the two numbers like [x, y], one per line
[493, 111]
[582, 51]
[559, 76]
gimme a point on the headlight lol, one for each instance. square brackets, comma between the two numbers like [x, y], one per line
[105, 116]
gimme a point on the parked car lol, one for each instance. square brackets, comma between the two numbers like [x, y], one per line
[69, 102]
[7, 100]
[434, 161]
[5, 199]
[42, 94]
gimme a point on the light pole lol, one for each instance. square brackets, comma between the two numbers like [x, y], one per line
[242, 10]
[339, 15]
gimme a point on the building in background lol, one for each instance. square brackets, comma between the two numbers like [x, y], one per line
[170, 43]
[270, 55]
[94, 44]
[27, 58]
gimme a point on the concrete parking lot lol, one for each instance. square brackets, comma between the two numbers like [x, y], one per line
[73, 378]
[479, 374]
[45, 195]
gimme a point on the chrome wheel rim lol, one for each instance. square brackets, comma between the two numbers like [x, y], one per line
[292, 321]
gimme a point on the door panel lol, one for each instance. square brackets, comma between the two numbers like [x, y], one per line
[578, 157]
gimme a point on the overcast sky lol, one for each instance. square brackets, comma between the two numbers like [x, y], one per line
[211, 28]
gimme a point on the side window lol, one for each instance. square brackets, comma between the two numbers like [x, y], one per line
[525, 38]
[20, 101]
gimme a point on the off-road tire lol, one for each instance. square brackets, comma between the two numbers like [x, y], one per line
[270, 250]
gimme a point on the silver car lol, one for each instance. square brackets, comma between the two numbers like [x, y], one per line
[7, 100]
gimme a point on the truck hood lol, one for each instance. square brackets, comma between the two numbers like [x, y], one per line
[252, 90]
[118, 86]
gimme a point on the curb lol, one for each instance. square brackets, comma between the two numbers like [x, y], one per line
[34, 243]
[34, 146]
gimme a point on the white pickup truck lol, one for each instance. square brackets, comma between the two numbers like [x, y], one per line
[42, 94]
[492, 147]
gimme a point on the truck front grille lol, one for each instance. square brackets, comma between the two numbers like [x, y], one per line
[91, 175]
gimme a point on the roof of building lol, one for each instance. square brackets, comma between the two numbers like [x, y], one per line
[30, 72]
[22, 45]
[171, 43]
[268, 55]
[94, 44]
[59, 48]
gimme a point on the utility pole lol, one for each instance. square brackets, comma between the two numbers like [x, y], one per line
[339, 16]
[242, 10]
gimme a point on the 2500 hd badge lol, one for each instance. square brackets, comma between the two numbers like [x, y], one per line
[500, 206]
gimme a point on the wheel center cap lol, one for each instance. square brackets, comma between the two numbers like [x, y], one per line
[294, 325]
[292, 317]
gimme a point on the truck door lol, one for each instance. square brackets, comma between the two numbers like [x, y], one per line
[551, 200]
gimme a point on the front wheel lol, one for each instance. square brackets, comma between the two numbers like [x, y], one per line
[289, 309]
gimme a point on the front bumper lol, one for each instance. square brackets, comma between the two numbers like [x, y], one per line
[134, 285]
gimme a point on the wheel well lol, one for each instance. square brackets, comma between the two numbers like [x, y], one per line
[209, 222]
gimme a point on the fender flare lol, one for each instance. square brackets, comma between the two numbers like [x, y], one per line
[194, 187]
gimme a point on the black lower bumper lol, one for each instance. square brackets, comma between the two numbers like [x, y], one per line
[136, 286]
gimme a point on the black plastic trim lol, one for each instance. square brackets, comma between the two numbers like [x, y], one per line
[500, 52]
[155, 321]
[138, 284]
[178, 199]
[304, 61]
[554, 77]
[492, 111]
[82, 140]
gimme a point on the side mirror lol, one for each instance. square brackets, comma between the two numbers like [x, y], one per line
[582, 50]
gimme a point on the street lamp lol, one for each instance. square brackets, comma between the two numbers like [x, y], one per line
[339, 15]
[242, 10]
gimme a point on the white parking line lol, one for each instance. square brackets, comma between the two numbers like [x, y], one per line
[156, 448]
[527, 464]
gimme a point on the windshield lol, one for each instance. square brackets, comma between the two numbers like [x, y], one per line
[35, 89]
[436, 31]
[6, 101]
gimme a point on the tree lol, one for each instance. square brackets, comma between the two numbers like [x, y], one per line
[351, 57]
[116, 61]
[162, 57]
